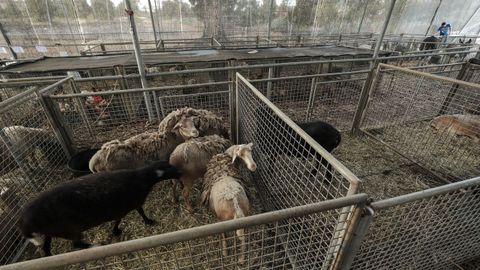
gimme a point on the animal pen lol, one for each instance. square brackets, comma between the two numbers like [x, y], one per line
[301, 220]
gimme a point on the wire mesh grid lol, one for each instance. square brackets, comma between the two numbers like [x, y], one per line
[290, 170]
[435, 231]
[335, 102]
[400, 110]
[31, 161]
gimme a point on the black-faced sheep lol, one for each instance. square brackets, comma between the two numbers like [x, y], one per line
[286, 141]
[223, 190]
[206, 122]
[75, 206]
[25, 140]
[134, 151]
[191, 157]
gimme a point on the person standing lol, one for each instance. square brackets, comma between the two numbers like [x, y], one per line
[444, 30]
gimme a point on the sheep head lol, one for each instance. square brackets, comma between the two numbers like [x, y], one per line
[186, 128]
[244, 152]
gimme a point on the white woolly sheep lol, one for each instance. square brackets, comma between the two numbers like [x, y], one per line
[24, 141]
[205, 121]
[223, 189]
[134, 151]
[191, 157]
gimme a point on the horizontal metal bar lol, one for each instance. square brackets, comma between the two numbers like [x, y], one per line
[344, 171]
[196, 94]
[423, 55]
[431, 76]
[311, 76]
[138, 90]
[96, 253]
[4, 105]
[424, 194]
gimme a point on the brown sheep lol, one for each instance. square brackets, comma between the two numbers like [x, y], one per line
[191, 157]
[223, 189]
[458, 124]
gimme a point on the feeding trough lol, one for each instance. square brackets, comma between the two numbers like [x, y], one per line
[78, 164]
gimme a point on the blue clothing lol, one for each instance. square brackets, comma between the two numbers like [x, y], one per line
[444, 30]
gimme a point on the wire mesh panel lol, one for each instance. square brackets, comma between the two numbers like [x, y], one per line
[292, 169]
[31, 160]
[432, 120]
[335, 101]
[433, 229]
[271, 242]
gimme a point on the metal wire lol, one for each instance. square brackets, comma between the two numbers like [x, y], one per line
[402, 104]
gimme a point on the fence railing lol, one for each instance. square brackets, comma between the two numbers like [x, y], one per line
[293, 170]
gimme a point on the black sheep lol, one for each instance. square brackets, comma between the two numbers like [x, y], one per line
[291, 144]
[429, 43]
[70, 208]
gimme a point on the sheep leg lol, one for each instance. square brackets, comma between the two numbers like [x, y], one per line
[117, 231]
[187, 187]
[224, 245]
[241, 236]
[147, 220]
[46, 245]
[174, 191]
[79, 243]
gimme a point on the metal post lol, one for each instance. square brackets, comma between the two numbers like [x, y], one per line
[269, 83]
[384, 29]
[363, 16]
[433, 17]
[158, 21]
[153, 22]
[139, 58]
[70, 27]
[469, 19]
[357, 237]
[270, 11]
[7, 40]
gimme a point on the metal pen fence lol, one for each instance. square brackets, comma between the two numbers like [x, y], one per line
[432, 229]
[399, 113]
[270, 243]
[32, 159]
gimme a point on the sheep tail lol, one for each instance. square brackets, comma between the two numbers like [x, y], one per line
[238, 210]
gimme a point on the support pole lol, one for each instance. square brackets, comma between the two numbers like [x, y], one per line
[433, 17]
[384, 29]
[270, 13]
[363, 16]
[7, 40]
[153, 22]
[139, 58]
[157, 14]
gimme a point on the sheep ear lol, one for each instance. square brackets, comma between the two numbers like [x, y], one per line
[177, 126]
[250, 145]
[159, 173]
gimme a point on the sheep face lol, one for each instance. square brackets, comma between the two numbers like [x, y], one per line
[244, 152]
[186, 128]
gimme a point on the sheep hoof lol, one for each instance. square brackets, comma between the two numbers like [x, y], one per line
[150, 222]
[116, 232]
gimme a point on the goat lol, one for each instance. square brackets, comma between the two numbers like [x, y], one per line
[75, 206]
[223, 190]
[191, 157]
[286, 141]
